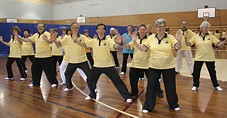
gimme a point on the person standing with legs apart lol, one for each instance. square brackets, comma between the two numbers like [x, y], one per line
[205, 54]
[42, 40]
[161, 62]
[88, 50]
[27, 50]
[185, 50]
[14, 54]
[112, 36]
[125, 51]
[77, 54]
[140, 62]
[103, 63]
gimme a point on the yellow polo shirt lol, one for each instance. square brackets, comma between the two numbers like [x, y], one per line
[113, 38]
[140, 59]
[161, 54]
[15, 48]
[223, 33]
[183, 43]
[101, 51]
[76, 53]
[204, 49]
[217, 35]
[27, 49]
[42, 47]
[56, 51]
[88, 50]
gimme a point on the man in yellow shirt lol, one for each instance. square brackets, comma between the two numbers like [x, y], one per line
[42, 40]
[88, 50]
[103, 63]
[185, 50]
[14, 54]
[27, 50]
[112, 36]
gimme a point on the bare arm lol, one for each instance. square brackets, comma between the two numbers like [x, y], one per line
[124, 43]
[138, 46]
[5, 43]
[221, 44]
[45, 38]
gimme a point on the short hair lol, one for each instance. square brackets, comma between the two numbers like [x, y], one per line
[16, 28]
[86, 31]
[130, 26]
[142, 25]
[74, 23]
[64, 29]
[55, 30]
[42, 23]
[27, 30]
[160, 21]
[205, 24]
[184, 21]
[101, 24]
[68, 30]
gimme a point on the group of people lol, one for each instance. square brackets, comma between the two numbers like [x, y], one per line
[151, 55]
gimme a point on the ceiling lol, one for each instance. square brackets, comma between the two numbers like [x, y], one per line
[64, 1]
[54, 2]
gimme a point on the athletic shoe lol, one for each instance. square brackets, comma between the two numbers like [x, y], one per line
[141, 78]
[129, 100]
[53, 85]
[88, 98]
[66, 89]
[30, 85]
[218, 88]
[122, 73]
[194, 88]
[177, 109]
[22, 79]
[62, 83]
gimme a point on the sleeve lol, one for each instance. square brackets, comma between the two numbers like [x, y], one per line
[89, 43]
[64, 41]
[215, 41]
[111, 43]
[48, 35]
[10, 41]
[32, 38]
[131, 44]
[191, 35]
[173, 41]
[192, 40]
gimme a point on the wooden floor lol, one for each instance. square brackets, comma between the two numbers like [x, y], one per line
[17, 100]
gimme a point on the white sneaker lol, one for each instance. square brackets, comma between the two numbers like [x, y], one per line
[177, 109]
[160, 80]
[122, 73]
[22, 79]
[141, 78]
[62, 83]
[66, 89]
[6, 78]
[88, 98]
[218, 88]
[53, 85]
[26, 71]
[145, 111]
[129, 100]
[194, 88]
[96, 90]
[30, 85]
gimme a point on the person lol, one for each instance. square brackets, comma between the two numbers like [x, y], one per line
[112, 36]
[161, 62]
[103, 63]
[88, 50]
[42, 40]
[56, 52]
[27, 50]
[14, 54]
[148, 30]
[205, 54]
[217, 34]
[126, 52]
[77, 54]
[139, 64]
[185, 50]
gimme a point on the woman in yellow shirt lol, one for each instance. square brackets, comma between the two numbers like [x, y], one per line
[14, 54]
[88, 50]
[205, 54]
[161, 62]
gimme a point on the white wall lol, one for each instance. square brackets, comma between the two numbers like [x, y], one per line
[24, 10]
[97, 8]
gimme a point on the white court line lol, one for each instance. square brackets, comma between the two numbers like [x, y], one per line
[125, 113]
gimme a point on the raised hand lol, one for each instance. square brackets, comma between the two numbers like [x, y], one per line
[1, 38]
[134, 36]
[45, 38]
[123, 39]
[186, 35]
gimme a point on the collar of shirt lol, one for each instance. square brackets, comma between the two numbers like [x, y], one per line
[40, 33]
[141, 39]
[159, 40]
[148, 34]
[100, 40]
[111, 36]
[200, 34]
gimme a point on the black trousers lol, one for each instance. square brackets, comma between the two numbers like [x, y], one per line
[71, 68]
[19, 65]
[24, 58]
[169, 79]
[197, 69]
[134, 75]
[124, 63]
[114, 54]
[112, 73]
[54, 60]
[90, 58]
[39, 65]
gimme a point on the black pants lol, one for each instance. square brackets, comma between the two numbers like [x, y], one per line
[90, 58]
[211, 68]
[114, 54]
[39, 65]
[24, 58]
[169, 79]
[124, 63]
[134, 75]
[54, 60]
[19, 65]
[71, 68]
[112, 73]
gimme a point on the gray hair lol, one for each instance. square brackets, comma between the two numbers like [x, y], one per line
[205, 24]
[160, 21]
